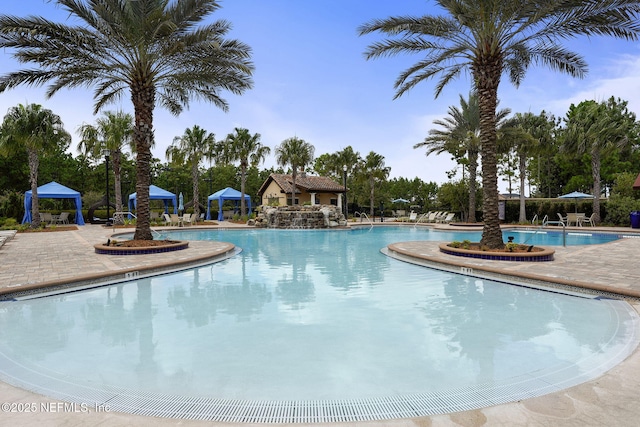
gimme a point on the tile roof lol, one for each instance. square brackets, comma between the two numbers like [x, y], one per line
[318, 184]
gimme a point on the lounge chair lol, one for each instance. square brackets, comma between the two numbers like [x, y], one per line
[447, 219]
[562, 219]
[167, 219]
[189, 219]
[432, 216]
[413, 216]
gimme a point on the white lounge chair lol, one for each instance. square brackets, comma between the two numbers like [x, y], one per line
[189, 219]
[432, 216]
[562, 219]
[447, 219]
[413, 216]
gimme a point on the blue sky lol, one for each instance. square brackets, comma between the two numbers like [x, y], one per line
[312, 81]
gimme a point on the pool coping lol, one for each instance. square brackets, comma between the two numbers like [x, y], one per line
[220, 253]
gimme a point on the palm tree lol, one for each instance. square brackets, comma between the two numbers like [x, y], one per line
[373, 170]
[596, 129]
[152, 48]
[460, 136]
[248, 150]
[112, 132]
[524, 134]
[38, 131]
[492, 38]
[295, 152]
[191, 148]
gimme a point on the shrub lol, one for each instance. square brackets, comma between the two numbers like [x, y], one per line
[511, 246]
[9, 223]
[619, 208]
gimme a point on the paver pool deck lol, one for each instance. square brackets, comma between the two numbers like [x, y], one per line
[44, 259]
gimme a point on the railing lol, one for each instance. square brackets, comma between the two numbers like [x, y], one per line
[363, 215]
[545, 222]
[420, 219]
[120, 215]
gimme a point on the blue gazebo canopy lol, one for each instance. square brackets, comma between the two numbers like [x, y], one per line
[156, 193]
[223, 195]
[53, 190]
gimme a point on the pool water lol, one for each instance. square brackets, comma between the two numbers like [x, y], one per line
[315, 315]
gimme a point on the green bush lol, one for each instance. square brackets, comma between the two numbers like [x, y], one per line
[619, 208]
[12, 205]
[8, 224]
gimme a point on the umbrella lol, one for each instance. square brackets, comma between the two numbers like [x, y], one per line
[575, 195]
[400, 201]
[180, 202]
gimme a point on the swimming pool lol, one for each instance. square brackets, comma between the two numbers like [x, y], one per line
[307, 326]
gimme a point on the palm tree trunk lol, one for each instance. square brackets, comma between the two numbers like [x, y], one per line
[473, 172]
[117, 160]
[143, 100]
[195, 175]
[243, 182]
[487, 78]
[522, 160]
[371, 197]
[293, 191]
[34, 163]
[595, 173]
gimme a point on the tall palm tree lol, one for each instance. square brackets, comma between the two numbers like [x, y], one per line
[154, 49]
[596, 129]
[373, 170]
[524, 134]
[295, 152]
[113, 132]
[249, 151]
[460, 137]
[36, 130]
[490, 38]
[190, 148]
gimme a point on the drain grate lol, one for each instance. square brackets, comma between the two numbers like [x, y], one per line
[307, 412]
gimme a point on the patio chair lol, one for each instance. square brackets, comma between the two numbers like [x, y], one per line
[588, 220]
[176, 220]
[413, 216]
[167, 219]
[63, 218]
[562, 219]
[46, 217]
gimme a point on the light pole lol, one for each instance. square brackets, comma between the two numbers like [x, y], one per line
[344, 180]
[106, 154]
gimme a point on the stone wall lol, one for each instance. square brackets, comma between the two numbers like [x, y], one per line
[299, 217]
